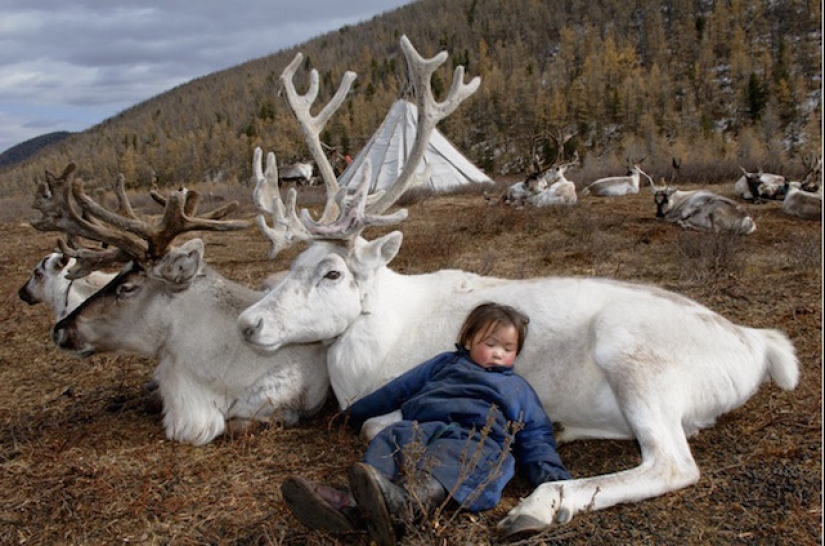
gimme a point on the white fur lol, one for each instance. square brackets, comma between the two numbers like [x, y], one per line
[299, 172]
[703, 210]
[560, 192]
[48, 284]
[804, 204]
[615, 185]
[183, 313]
[769, 185]
[518, 194]
[609, 359]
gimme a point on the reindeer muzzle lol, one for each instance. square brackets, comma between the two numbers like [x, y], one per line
[26, 296]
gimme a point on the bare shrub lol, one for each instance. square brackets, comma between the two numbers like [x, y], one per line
[709, 257]
[499, 220]
[415, 469]
[805, 253]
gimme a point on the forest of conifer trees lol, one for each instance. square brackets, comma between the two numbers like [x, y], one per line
[716, 84]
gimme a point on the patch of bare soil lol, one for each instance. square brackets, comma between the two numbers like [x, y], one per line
[82, 461]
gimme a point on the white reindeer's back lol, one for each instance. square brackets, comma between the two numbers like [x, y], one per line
[613, 187]
[561, 192]
[584, 335]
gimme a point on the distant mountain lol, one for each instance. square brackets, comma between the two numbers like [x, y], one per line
[26, 149]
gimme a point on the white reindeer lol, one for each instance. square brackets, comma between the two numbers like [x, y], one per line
[560, 192]
[609, 359]
[616, 185]
[170, 305]
[759, 186]
[519, 193]
[804, 198]
[701, 210]
[801, 203]
[49, 284]
[300, 173]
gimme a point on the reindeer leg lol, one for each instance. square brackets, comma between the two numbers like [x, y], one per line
[667, 463]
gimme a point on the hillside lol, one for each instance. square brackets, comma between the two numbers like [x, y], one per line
[716, 84]
[24, 150]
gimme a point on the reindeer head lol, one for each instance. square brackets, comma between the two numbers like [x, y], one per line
[327, 287]
[661, 197]
[754, 181]
[147, 245]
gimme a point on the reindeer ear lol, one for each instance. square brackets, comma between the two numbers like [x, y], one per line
[61, 262]
[387, 247]
[370, 255]
[180, 265]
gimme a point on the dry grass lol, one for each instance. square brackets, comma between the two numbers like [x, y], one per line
[83, 462]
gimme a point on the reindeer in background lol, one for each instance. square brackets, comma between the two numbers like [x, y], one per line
[759, 186]
[618, 185]
[803, 198]
[560, 191]
[546, 186]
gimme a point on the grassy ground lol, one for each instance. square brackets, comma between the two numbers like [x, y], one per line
[83, 462]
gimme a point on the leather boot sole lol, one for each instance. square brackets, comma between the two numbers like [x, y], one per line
[311, 509]
[364, 482]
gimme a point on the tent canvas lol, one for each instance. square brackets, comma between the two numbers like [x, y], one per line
[390, 146]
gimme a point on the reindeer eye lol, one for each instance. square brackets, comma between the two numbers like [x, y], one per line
[126, 289]
[333, 275]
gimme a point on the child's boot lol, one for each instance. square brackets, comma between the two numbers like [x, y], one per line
[319, 506]
[383, 503]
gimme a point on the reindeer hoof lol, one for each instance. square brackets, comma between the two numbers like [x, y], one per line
[521, 524]
[238, 427]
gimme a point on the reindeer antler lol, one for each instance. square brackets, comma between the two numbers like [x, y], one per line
[430, 112]
[288, 227]
[347, 213]
[67, 208]
[311, 125]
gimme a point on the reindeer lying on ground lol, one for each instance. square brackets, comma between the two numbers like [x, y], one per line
[561, 190]
[804, 198]
[701, 210]
[49, 283]
[759, 186]
[543, 189]
[299, 173]
[801, 203]
[617, 185]
[609, 359]
[518, 194]
[170, 305]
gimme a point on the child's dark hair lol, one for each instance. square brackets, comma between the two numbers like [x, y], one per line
[488, 316]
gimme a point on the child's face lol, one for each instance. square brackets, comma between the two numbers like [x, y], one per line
[496, 347]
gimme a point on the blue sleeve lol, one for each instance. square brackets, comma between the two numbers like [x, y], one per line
[392, 396]
[535, 444]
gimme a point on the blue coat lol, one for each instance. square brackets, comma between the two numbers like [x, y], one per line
[465, 416]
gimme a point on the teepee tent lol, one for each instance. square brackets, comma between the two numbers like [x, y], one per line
[390, 146]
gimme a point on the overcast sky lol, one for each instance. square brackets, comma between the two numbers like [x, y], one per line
[66, 65]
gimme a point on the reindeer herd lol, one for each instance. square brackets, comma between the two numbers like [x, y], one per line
[609, 359]
[701, 210]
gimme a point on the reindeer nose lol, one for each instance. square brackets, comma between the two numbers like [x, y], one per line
[24, 295]
[250, 330]
[59, 335]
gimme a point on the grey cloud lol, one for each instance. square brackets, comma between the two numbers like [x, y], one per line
[98, 57]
